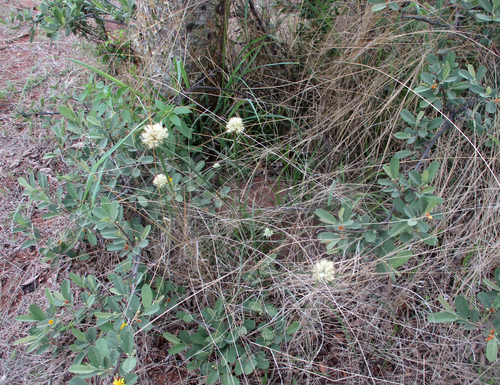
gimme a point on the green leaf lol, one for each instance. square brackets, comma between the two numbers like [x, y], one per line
[408, 117]
[93, 121]
[129, 364]
[484, 299]
[445, 304]
[462, 307]
[81, 369]
[398, 228]
[426, 78]
[470, 68]
[152, 309]
[293, 328]
[414, 177]
[177, 348]
[481, 71]
[170, 337]
[497, 275]
[491, 284]
[492, 349]
[66, 291]
[465, 74]
[79, 335]
[378, 7]
[182, 110]
[127, 345]
[432, 59]
[229, 380]
[25, 340]
[486, 5]
[441, 317]
[212, 377]
[491, 107]
[94, 357]
[102, 345]
[399, 259]
[131, 379]
[59, 16]
[147, 296]
[435, 123]
[403, 154]
[370, 236]
[482, 17]
[91, 238]
[325, 217]
[37, 313]
[402, 135]
[432, 169]
[175, 120]
[328, 237]
[77, 381]
[197, 338]
[394, 167]
[67, 112]
[26, 318]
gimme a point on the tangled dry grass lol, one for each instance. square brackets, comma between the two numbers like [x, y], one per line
[345, 95]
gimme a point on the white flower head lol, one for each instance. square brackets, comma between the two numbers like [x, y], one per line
[160, 180]
[154, 135]
[324, 271]
[268, 233]
[235, 125]
[216, 165]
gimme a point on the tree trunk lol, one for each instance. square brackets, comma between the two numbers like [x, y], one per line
[187, 30]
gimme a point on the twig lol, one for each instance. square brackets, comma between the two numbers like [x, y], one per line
[259, 21]
[425, 20]
[38, 113]
[433, 141]
[449, 121]
[94, 16]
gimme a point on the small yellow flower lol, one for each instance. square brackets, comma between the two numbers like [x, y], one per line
[123, 325]
[429, 216]
[235, 125]
[51, 321]
[118, 381]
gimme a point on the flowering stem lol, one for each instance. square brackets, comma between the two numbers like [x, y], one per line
[162, 160]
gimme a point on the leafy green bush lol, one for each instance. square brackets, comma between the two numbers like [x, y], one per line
[113, 169]
[387, 237]
[471, 318]
[455, 94]
[79, 17]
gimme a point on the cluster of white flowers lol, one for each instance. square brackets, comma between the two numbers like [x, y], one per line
[324, 271]
[216, 165]
[154, 135]
[160, 180]
[268, 233]
[235, 125]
